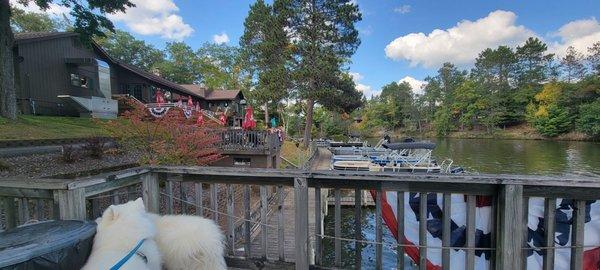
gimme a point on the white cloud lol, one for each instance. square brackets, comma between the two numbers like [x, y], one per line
[402, 9]
[367, 90]
[221, 38]
[154, 17]
[459, 44]
[53, 9]
[580, 34]
[416, 85]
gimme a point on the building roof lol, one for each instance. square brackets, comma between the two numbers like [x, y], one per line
[37, 36]
[212, 94]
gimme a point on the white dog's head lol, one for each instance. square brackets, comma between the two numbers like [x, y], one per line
[131, 214]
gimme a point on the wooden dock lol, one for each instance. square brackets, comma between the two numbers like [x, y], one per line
[321, 162]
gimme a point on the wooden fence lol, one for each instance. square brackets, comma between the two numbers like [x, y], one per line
[25, 199]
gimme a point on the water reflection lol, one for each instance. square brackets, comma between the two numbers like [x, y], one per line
[349, 258]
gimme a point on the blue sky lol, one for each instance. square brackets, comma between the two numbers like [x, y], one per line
[397, 38]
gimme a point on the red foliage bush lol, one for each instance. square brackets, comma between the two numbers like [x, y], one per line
[171, 139]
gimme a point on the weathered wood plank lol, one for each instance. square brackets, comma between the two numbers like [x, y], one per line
[525, 232]
[358, 227]
[25, 192]
[470, 259]
[183, 198]
[280, 223]
[214, 202]
[151, 192]
[446, 230]
[301, 226]
[550, 230]
[247, 223]
[378, 231]
[71, 204]
[199, 199]
[509, 233]
[264, 219]
[230, 222]
[9, 209]
[577, 235]
[400, 228]
[338, 229]
[423, 231]
[169, 196]
[318, 227]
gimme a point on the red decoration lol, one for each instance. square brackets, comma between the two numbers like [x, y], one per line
[223, 119]
[200, 120]
[190, 102]
[160, 98]
[249, 122]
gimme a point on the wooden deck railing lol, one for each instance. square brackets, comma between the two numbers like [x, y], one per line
[26, 199]
[239, 141]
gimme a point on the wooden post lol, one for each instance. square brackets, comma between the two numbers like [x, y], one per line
[150, 192]
[508, 225]
[10, 216]
[71, 203]
[301, 220]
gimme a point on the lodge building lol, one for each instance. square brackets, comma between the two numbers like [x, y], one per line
[58, 75]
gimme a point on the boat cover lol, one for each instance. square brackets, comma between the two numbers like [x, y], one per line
[409, 145]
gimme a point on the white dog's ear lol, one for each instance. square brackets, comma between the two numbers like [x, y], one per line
[139, 203]
[111, 213]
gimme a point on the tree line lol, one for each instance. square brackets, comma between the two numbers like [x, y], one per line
[506, 87]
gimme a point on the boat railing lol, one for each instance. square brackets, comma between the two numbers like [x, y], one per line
[286, 235]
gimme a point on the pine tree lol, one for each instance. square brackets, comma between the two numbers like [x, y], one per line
[572, 64]
[324, 38]
[594, 57]
[267, 52]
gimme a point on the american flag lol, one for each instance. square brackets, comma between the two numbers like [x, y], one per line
[483, 226]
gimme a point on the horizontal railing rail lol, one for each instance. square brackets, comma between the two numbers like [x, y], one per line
[290, 206]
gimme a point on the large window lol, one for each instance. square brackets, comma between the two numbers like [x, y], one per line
[134, 90]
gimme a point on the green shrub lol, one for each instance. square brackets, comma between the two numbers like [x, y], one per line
[589, 118]
[556, 122]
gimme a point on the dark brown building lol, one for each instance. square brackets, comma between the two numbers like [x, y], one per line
[57, 75]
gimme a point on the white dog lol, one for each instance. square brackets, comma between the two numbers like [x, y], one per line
[119, 230]
[189, 242]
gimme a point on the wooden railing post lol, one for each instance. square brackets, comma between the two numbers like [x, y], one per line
[301, 220]
[10, 216]
[508, 225]
[150, 192]
[71, 203]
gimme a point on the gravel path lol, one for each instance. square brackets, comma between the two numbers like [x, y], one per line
[48, 165]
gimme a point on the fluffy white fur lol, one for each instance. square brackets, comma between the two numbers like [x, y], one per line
[189, 242]
[119, 229]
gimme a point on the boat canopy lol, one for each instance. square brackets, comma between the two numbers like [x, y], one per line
[409, 145]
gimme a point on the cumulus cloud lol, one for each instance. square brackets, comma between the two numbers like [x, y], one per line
[402, 9]
[221, 38]
[580, 34]
[53, 9]
[459, 44]
[416, 85]
[154, 17]
[367, 90]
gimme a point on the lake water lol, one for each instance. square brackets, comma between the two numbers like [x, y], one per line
[476, 156]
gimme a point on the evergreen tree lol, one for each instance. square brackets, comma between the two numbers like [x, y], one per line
[23, 21]
[180, 64]
[267, 52]
[572, 64]
[594, 57]
[532, 62]
[399, 96]
[324, 38]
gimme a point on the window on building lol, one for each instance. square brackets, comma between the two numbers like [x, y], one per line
[80, 81]
[241, 162]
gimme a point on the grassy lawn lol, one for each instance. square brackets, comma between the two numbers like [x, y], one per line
[48, 127]
[295, 154]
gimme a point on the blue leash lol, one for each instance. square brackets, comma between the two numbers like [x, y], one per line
[120, 263]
